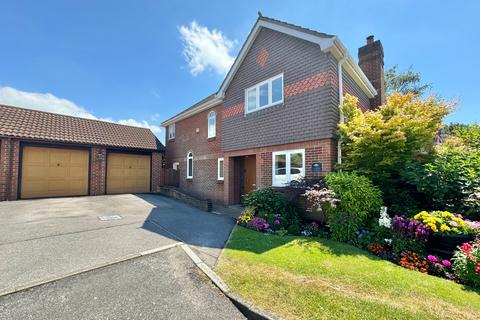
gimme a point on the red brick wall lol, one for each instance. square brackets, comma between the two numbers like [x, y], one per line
[98, 170]
[9, 159]
[323, 151]
[157, 172]
[205, 154]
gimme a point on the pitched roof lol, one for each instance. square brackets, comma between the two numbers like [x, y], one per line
[327, 43]
[39, 125]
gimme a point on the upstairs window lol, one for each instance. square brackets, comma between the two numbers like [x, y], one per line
[264, 94]
[190, 165]
[171, 132]
[212, 124]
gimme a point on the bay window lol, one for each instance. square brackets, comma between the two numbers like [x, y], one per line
[287, 166]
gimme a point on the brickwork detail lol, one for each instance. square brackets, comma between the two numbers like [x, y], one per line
[98, 170]
[157, 172]
[318, 80]
[239, 108]
[263, 57]
[9, 165]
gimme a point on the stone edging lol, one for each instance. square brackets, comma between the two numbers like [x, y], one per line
[245, 307]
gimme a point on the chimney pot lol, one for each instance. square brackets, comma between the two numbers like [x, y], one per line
[370, 39]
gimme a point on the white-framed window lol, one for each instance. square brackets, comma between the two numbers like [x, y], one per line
[287, 166]
[220, 172]
[171, 131]
[265, 94]
[212, 124]
[190, 165]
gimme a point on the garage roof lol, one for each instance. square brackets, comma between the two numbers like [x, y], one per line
[39, 125]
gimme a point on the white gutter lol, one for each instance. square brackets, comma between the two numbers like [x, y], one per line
[340, 102]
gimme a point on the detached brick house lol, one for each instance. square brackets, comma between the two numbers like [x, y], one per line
[49, 155]
[275, 115]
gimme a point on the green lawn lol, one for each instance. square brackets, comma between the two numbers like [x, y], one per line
[312, 278]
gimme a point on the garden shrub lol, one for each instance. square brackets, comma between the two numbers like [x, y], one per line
[466, 265]
[266, 201]
[294, 229]
[408, 235]
[449, 179]
[358, 198]
[293, 213]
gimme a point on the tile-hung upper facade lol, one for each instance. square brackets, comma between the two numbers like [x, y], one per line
[276, 112]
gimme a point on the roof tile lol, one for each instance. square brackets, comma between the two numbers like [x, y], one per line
[39, 125]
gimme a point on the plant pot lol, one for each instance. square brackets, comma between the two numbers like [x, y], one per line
[444, 246]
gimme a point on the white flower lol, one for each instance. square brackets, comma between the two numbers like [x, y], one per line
[384, 220]
[388, 241]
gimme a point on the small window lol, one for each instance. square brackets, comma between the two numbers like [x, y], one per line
[212, 124]
[171, 132]
[264, 94]
[287, 166]
[220, 169]
[190, 165]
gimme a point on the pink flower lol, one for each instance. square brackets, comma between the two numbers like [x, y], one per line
[276, 222]
[266, 226]
[438, 265]
[432, 258]
[314, 223]
[467, 247]
[447, 263]
[477, 269]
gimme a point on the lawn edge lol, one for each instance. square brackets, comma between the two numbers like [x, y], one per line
[247, 308]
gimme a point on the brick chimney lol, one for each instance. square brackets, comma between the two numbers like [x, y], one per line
[370, 60]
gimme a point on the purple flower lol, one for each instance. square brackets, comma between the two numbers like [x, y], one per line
[409, 227]
[277, 222]
[447, 263]
[258, 224]
[432, 258]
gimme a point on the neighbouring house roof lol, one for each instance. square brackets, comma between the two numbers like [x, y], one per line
[327, 43]
[39, 125]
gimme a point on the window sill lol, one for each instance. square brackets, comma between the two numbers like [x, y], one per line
[171, 140]
[211, 139]
[189, 179]
[220, 181]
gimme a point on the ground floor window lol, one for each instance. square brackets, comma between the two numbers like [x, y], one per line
[220, 169]
[287, 166]
[190, 165]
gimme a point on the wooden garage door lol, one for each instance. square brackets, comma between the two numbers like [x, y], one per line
[128, 173]
[53, 172]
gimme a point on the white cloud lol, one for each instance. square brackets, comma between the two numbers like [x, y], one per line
[206, 49]
[51, 103]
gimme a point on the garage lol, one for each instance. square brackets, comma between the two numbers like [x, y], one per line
[128, 173]
[53, 172]
[45, 155]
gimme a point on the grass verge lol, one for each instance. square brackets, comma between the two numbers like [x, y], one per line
[313, 278]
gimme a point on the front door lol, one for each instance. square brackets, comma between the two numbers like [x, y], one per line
[249, 174]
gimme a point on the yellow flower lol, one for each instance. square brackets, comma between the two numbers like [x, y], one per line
[433, 227]
[446, 214]
[444, 227]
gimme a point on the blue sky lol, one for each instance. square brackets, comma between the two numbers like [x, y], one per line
[125, 60]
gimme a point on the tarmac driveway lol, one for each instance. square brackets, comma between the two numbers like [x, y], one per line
[48, 239]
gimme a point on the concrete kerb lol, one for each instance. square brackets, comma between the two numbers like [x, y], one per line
[87, 269]
[245, 307]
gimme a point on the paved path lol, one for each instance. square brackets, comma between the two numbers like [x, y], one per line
[48, 239]
[164, 285]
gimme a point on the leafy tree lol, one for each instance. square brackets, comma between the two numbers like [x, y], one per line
[468, 133]
[379, 144]
[405, 82]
